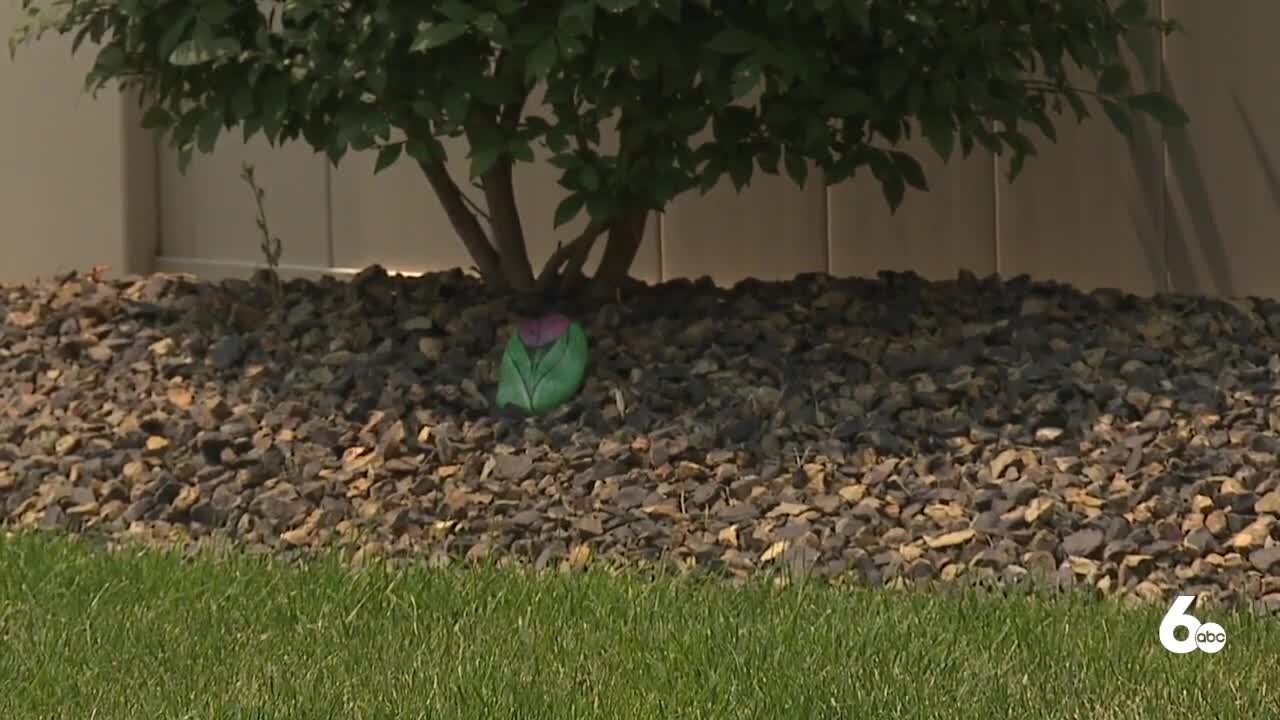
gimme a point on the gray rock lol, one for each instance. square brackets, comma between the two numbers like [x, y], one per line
[1266, 558]
[1083, 543]
[227, 351]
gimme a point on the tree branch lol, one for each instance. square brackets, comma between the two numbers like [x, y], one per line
[463, 220]
[580, 245]
[573, 268]
[509, 114]
[504, 221]
[472, 203]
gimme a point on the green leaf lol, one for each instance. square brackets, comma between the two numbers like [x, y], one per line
[483, 159]
[797, 168]
[491, 26]
[944, 93]
[1078, 108]
[846, 102]
[156, 117]
[1159, 106]
[543, 381]
[600, 207]
[203, 48]
[565, 161]
[387, 156]
[940, 135]
[251, 126]
[859, 11]
[437, 35]
[910, 170]
[568, 209]
[1119, 117]
[516, 367]
[767, 159]
[459, 11]
[893, 77]
[184, 159]
[540, 59]
[894, 190]
[274, 101]
[890, 176]
[745, 78]
[188, 53]
[207, 135]
[215, 12]
[577, 19]
[1132, 11]
[1113, 79]
[335, 152]
[173, 36]
[740, 170]
[520, 151]
[589, 178]
[241, 102]
[1016, 161]
[733, 42]
[526, 36]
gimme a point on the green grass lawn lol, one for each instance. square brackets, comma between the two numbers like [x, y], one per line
[90, 634]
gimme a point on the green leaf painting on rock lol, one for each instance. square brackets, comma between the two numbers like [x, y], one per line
[543, 365]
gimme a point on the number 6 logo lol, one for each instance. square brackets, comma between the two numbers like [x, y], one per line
[1209, 637]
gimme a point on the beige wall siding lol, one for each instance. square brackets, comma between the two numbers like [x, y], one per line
[1195, 210]
[1088, 209]
[393, 218]
[1224, 168]
[936, 234]
[771, 231]
[77, 181]
[208, 213]
[139, 182]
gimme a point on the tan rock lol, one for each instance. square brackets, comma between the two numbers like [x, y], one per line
[1202, 504]
[1002, 462]
[788, 509]
[852, 493]
[951, 539]
[1216, 523]
[1040, 507]
[774, 552]
[1268, 504]
[1252, 536]
[579, 557]
[156, 445]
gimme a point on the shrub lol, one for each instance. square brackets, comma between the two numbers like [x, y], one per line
[780, 83]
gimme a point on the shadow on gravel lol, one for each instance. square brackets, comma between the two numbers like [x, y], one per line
[823, 421]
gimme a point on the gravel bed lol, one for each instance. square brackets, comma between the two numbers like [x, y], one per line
[892, 431]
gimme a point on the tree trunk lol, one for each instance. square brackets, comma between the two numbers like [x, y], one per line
[504, 222]
[464, 223]
[506, 267]
[625, 236]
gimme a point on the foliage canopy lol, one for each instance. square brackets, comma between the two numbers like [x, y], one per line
[782, 86]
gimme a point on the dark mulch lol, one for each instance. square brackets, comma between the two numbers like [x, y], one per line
[892, 431]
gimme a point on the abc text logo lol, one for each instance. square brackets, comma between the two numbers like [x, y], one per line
[1209, 637]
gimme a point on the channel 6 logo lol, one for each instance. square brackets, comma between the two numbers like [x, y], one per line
[1209, 637]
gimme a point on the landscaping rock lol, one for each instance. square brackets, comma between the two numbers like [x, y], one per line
[892, 430]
